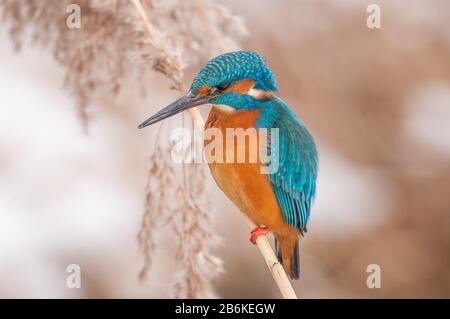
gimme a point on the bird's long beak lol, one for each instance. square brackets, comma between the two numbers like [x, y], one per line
[183, 103]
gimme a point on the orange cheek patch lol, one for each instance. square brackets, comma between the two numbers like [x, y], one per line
[204, 90]
[242, 86]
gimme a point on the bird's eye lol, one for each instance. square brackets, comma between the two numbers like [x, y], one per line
[223, 86]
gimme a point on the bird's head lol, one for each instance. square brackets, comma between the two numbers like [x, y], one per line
[237, 80]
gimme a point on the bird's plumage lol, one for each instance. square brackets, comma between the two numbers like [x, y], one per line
[294, 182]
[234, 66]
[282, 199]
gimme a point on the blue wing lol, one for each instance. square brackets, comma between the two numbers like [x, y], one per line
[294, 183]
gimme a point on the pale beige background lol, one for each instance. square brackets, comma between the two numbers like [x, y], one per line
[377, 101]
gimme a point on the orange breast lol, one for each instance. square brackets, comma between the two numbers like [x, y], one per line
[243, 183]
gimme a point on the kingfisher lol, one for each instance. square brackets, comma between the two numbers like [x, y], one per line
[243, 93]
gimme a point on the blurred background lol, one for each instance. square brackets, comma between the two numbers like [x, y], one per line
[376, 100]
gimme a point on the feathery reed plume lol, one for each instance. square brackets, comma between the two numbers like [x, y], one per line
[194, 249]
[114, 43]
[196, 240]
[125, 40]
[191, 220]
[160, 177]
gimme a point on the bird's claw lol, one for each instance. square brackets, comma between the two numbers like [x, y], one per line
[258, 231]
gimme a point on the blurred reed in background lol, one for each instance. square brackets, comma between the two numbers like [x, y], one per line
[377, 101]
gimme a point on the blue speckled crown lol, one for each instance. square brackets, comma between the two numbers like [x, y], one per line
[235, 66]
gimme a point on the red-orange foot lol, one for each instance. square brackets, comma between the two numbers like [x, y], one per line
[258, 231]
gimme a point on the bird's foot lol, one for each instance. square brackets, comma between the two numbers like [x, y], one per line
[258, 231]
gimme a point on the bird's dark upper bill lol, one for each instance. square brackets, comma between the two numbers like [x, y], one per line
[183, 103]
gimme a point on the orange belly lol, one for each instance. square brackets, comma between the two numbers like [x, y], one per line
[243, 183]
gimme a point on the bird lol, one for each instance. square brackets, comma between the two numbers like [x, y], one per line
[242, 90]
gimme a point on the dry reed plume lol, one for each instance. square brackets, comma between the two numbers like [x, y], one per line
[123, 41]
